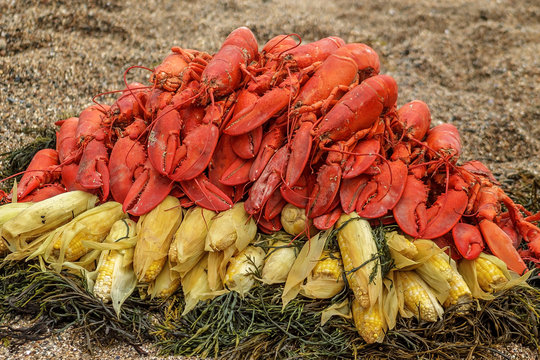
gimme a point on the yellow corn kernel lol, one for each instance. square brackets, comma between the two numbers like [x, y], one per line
[359, 256]
[103, 285]
[3, 247]
[416, 296]
[488, 274]
[165, 284]
[156, 230]
[329, 266]
[459, 291]
[239, 275]
[75, 249]
[369, 321]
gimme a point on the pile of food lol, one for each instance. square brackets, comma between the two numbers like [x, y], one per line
[188, 183]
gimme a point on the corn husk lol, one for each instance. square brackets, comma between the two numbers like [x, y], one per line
[41, 218]
[303, 265]
[231, 227]
[363, 266]
[369, 321]
[187, 246]
[325, 283]
[195, 285]
[119, 247]
[467, 269]
[92, 226]
[243, 268]
[407, 311]
[341, 309]
[8, 212]
[402, 250]
[166, 283]
[230, 232]
[155, 230]
[278, 263]
[295, 221]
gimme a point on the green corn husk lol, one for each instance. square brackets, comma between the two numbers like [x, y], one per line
[279, 262]
[187, 247]
[43, 217]
[74, 241]
[114, 279]
[242, 269]
[156, 230]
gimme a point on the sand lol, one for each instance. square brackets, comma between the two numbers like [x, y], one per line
[476, 64]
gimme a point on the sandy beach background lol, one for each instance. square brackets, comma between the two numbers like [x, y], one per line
[475, 63]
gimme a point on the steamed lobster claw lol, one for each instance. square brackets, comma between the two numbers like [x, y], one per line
[147, 192]
[419, 220]
[126, 161]
[43, 169]
[468, 240]
[205, 194]
[93, 168]
[43, 193]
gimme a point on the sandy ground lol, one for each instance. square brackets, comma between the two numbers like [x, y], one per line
[476, 64]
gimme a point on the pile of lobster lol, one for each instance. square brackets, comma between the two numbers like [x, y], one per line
[313, 125]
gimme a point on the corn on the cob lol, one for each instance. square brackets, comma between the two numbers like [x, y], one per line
[155, 230]
[242, 268]
[326, 278]
[398, 243]
[439, 271]
[187, 246]
[195, 285]
[231, 227]
[165, 284]
[417, 296]
[92, 226]
[295, 221]
[369, 321]
[8, 212]
[489, 275]
[278, 262]
[115, 279]
[44, 216]
[359, 256]
[304, 263]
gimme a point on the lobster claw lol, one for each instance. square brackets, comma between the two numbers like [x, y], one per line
[44, 193]
[164, 140]
[148, 191]
[126, 157]
[93, 168]
[205, 194]
[326, 221]
[237, 173]
[247, 145]
[42, 170]
[273, 206]
[418, 220]
[468, 240]
[297, 194]
[300, 149]
[501, 246]
[383, 191]
[268, 182]
[272, 141]
[367, 151]
[269, 226]
[324, 190]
